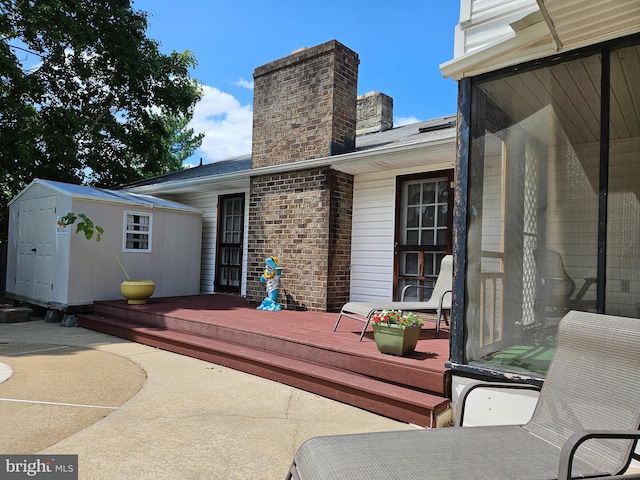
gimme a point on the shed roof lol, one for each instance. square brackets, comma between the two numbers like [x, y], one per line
[105, 195]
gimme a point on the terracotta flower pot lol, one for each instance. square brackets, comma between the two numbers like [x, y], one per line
[395, 339]
[137, 292]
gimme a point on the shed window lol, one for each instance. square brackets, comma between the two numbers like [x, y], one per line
[137, 232]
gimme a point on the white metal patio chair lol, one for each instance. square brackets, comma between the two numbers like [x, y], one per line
[439, 302]
[585, 424]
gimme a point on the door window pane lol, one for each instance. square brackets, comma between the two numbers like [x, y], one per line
[413, 217]
[413, 194]
[429, 193]
[410, 263]
[427, 238]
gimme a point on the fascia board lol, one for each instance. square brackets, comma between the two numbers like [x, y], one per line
[506, 51]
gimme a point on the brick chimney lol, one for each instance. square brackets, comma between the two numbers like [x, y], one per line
[304, 105]
[304, 108]
[375, 113]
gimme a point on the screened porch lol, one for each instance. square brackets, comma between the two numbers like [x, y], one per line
[549, 220]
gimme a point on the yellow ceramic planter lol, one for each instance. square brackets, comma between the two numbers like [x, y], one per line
[137, 292]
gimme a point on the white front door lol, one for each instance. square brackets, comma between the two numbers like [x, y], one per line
[36, 247]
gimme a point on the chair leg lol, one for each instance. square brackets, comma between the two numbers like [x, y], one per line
[438, 316]
[366, 324]
[293, 473]
[337, 322]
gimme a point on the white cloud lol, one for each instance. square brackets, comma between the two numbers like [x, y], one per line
[400, 121]
[226, 124]
[244, 83]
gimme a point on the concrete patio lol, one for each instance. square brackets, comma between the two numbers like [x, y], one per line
[131, 411]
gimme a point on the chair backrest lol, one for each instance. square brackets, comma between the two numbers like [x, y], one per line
[552, 276]
[444, 282]
[593, 383]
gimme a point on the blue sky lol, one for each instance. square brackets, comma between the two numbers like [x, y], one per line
[400, 46]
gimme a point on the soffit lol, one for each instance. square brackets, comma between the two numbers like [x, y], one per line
[545, 92]
[433, 150]
[575, 23]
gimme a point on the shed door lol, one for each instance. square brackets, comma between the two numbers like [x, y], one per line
[229, 252]
[36, 246]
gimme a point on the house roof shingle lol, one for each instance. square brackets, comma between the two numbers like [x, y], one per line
[415, 133]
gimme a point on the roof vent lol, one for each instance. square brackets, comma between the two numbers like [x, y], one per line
[437, 126]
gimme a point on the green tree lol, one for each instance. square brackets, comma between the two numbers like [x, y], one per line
[86, 97]
[175, 142]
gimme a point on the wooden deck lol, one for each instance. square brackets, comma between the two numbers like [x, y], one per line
[292, 347]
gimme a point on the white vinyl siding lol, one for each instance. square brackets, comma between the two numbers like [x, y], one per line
[208, 203]
[483, 22]
[373, 233]
[373, 237]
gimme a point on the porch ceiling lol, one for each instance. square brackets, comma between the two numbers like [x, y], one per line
[575, 23]
[579, 112]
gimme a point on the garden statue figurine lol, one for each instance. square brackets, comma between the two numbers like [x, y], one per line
[271, 276]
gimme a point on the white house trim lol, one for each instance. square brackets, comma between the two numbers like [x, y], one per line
[494, 34]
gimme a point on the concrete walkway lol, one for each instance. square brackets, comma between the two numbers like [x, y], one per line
[130, 411]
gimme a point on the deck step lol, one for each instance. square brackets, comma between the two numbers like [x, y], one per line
[293, 348]
[294, 343]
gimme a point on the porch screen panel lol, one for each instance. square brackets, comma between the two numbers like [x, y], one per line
[622, 294]
[533, 210]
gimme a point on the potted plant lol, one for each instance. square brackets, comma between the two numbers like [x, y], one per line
[396, 332]
[136, 292]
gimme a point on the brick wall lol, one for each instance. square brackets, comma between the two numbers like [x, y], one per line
[303, 218]
[340, 222]
[304, 105]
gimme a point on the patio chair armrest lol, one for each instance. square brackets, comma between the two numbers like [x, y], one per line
[571, 445]
[407, 287]
[588, 282]
[450, 292]
[462, 399]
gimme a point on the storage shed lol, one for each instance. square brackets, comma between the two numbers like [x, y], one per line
[51, 266]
